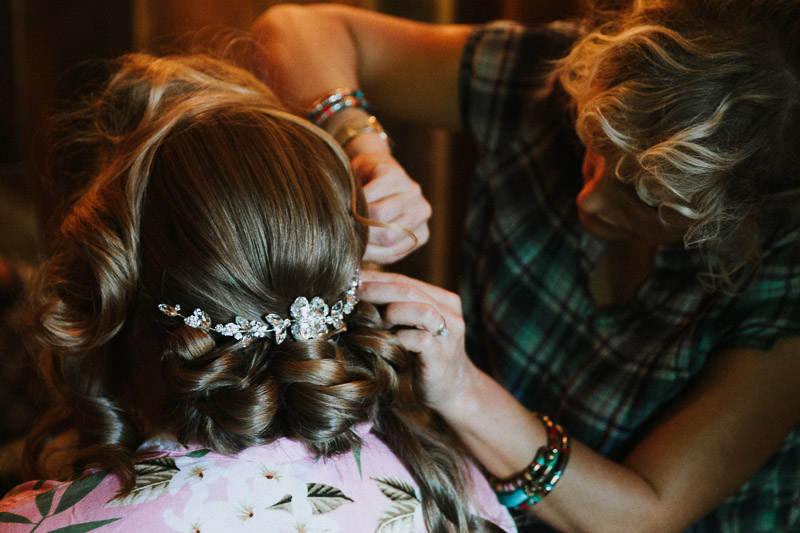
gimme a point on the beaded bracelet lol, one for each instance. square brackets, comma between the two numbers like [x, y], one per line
[330, 104]
[539, 478]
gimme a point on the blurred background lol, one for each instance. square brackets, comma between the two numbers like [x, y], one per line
[44, 40]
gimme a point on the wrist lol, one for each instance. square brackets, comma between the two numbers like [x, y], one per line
[344, 113]
[338, 120]
[363, 136]
[501, 433]
[336, 103]
[467, 401]
[358, 132]
[539, 478]
[367, 143]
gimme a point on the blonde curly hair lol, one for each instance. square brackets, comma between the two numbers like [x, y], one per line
[697, 104]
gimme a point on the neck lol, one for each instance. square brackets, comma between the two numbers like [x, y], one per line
[621, 271]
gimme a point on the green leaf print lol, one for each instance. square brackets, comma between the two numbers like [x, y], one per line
[395, 489]
[44, 500]
[324, 498]
[78, 490]
[12, 518]
[398, 517]
[75, 492]
[155, 464]
[284, 504]
[152, 480]
[357, 455]
[82, 528]
[198, 453]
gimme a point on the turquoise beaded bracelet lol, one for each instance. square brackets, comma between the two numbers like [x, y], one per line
[541, 475]
[333, 102]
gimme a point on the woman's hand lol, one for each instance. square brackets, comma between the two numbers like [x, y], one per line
[430, 323]
[500, 432]
[393, 198]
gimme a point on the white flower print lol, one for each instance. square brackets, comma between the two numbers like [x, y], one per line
[251, 490]
[262, 483]
[198, 473]
[298, 516]
[198, 517]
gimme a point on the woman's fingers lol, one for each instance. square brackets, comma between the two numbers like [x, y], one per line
[435, 368]
[393, 198]
[428, 321]
[387, 287]
[422, 316]
[389, 245]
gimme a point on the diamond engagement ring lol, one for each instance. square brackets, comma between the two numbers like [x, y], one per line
[442, 331]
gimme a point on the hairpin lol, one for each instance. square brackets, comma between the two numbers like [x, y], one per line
[309, 319]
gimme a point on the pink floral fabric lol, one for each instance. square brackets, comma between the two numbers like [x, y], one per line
[274, 488]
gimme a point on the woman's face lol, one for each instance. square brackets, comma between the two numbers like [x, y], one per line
[610, 209]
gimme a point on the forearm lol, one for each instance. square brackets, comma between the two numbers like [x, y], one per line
[715, 438]
[408, 70]
[500, 432]
[595, 494]
[302, 64]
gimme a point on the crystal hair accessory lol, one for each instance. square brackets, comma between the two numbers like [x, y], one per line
[309, 319]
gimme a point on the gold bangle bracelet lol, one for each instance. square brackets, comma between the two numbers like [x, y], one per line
[351, 129]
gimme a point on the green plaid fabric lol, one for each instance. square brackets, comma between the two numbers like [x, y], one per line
[603, 373]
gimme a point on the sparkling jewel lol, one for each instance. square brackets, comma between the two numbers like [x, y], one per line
[309, 320]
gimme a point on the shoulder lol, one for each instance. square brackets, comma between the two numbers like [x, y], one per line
[506, 77]
[276, 485]
[767, 308]
[497, 46]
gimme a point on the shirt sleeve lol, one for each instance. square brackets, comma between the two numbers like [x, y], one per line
[504, 66]
[769, 309]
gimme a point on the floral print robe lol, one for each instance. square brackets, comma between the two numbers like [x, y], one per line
[279, 487]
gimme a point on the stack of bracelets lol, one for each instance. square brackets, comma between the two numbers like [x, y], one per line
[340, 100]
[538, 479]
[336, 101]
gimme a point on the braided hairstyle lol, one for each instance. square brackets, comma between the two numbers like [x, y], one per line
[200, 189]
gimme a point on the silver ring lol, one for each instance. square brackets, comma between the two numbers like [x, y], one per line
[442, 331]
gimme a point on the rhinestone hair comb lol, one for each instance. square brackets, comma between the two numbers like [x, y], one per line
[309, 319]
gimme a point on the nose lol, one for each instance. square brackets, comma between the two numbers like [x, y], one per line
[591, 198]
[591, 162]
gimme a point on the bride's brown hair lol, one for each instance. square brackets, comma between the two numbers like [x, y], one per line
[200, 190]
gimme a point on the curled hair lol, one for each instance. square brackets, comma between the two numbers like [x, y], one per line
[196, 187]
[698, 105]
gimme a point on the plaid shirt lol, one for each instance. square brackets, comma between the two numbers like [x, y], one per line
[604, 373]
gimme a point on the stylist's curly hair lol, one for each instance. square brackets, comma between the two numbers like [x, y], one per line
[696, 103]
[200, 190]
